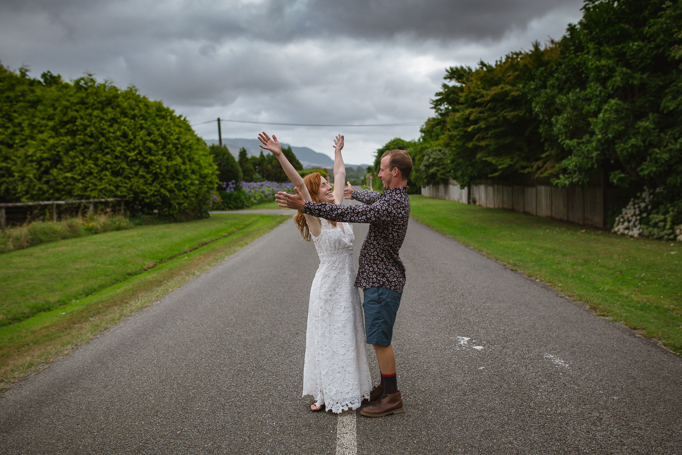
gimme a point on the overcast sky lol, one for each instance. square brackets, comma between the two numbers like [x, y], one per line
[340, 62]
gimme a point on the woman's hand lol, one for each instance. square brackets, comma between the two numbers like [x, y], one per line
[338, 143]
[271, 145]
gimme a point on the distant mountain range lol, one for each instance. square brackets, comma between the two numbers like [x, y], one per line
[307, 156]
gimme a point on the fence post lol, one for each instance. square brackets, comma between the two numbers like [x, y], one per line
[122, 212]
[91, 210]
[54, 212]
[2, 219]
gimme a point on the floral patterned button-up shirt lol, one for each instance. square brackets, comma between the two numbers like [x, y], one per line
[387, 215]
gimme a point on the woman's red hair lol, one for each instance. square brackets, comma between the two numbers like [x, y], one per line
[312, 182]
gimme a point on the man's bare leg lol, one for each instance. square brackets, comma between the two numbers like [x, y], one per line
[391, 402]
[385, 358]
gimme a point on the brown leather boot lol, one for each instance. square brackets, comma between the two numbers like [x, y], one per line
[389, 404]
[376, 393]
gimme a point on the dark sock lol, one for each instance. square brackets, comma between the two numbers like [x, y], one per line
[390, 382]
[382, 378]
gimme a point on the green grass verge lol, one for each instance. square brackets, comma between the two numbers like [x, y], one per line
[51, 275]
[635, 281]
[266, 206]
[98, 280]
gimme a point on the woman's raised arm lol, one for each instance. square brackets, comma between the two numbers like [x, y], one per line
[339, 170]
[275, 147]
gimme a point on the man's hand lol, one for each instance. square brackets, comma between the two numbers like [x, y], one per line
[290, 201]
[271, 145]
[347, 191]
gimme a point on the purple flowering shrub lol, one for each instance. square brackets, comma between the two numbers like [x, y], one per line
[265, 191]
[233, 196]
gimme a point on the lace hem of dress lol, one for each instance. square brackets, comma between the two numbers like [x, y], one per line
[343, 405]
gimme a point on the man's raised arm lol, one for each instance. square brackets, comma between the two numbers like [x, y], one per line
[365, 196]
[381, 210]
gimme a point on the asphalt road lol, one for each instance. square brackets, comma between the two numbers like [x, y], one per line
[488, 362]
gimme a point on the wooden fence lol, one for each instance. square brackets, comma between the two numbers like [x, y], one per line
[3, 218]
[574, 204]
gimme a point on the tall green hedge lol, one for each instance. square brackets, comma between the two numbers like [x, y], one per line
[87, 139]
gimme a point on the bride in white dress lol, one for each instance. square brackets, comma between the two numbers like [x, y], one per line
[336, 373]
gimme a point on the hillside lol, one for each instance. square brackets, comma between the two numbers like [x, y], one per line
[307, 156]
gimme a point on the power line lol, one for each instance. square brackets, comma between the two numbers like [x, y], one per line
[208, 121]
[312, 124]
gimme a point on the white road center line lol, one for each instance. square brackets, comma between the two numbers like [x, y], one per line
[346, 443]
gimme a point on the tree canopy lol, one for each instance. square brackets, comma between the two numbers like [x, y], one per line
[228, 167]
[614, 97]
[607, 96]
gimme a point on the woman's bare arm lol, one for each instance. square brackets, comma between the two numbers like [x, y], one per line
[339, 170]
[272, 145]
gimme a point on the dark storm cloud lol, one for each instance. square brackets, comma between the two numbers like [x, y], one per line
[443, 20]
[289, 61]
[286, 20]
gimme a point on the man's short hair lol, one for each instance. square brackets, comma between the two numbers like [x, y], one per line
[399, 159]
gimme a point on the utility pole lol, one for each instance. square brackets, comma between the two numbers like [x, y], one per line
[220, 134]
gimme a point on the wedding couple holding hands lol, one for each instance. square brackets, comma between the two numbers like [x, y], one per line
[336, 373]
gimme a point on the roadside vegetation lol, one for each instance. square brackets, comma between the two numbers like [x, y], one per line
[243, 195]
[601, 105]
[85, 139]
[39, 232]
[61, 294]
[272, 205]
[634, 281]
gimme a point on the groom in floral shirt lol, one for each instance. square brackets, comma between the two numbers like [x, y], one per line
[381, 273]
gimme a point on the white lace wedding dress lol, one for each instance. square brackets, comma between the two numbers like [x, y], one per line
[336, 372]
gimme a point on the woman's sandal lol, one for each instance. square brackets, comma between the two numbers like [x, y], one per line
[310, 406]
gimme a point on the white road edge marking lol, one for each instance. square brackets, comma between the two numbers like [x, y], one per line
[346, 443]
[557, 361]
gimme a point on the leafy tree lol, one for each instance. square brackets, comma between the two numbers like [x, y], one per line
[245, 165]
[274, 172]
[267, 167]
[436, 166]
[393, 144]
[228, 167]
[614, 100]
[256, 165]
[89, 140]
[292, 158]
[485, 118]
[413, 182]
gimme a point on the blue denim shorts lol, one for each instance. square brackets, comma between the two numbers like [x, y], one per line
[381, 306]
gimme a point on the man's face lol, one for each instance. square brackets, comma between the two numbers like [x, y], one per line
[386, 174]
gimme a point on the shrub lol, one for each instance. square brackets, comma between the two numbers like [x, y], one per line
[40, 232]
[102, 223]
[90, 140]
[436, 166]
[260, 192]
[247, 194]
[233, 198]
[651, 214]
